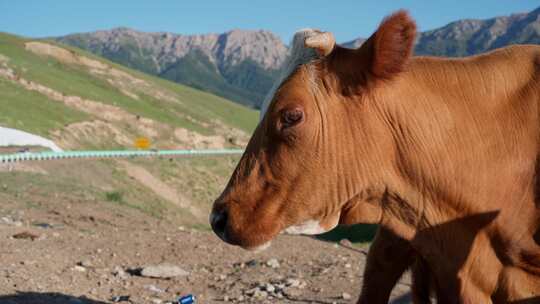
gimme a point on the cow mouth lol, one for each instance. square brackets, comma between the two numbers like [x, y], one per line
[259, 248]
[248, 247]
[223, 232]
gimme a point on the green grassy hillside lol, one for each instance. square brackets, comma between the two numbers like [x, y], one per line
[33, 112]
[72, 73]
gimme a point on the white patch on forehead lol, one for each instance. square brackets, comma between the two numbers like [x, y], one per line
[299, 54]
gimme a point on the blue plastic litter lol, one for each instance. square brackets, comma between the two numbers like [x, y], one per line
[189, 299]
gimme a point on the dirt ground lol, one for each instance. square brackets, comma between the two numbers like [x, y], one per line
[79, 253]
[77, 231]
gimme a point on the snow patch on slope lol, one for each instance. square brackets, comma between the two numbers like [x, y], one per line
[13, 137]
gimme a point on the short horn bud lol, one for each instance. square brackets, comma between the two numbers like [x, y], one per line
[323, 43]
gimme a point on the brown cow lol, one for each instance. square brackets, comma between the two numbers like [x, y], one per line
[447, 149]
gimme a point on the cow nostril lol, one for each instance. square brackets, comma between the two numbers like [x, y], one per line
[220, 222]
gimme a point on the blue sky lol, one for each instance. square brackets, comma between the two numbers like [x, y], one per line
[346, 19]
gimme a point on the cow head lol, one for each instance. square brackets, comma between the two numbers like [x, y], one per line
[322, 141]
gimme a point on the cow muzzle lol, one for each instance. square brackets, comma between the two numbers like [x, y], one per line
[218, 221]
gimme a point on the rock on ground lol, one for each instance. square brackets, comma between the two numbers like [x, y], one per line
[163, 271]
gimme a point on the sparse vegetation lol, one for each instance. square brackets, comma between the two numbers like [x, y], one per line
[33, 112]
[114, 196]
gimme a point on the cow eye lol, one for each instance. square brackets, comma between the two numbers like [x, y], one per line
[291, 117]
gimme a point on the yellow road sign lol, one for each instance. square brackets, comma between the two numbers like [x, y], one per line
[142, 143]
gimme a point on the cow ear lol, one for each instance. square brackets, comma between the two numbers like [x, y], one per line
[389, 48]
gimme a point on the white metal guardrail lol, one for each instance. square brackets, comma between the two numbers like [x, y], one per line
[37, 156]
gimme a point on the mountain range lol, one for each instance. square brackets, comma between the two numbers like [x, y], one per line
[238, 65]
[241, 65]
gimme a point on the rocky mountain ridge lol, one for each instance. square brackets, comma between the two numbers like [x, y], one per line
[230, 48]
[237, 64]
[472, 36]
[242, 64]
